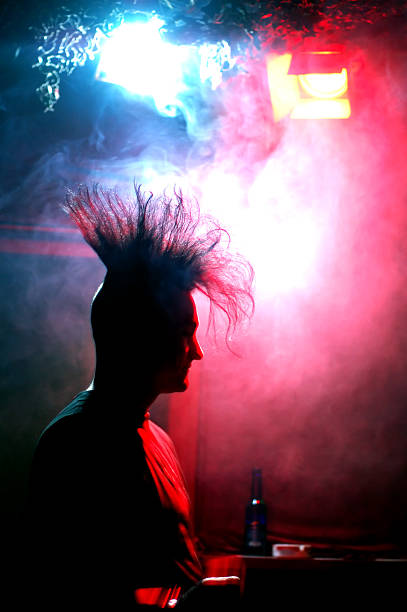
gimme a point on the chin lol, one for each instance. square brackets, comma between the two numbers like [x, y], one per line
[182, 386]
[177, 387]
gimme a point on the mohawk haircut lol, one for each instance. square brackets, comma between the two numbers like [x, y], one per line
[159, 242]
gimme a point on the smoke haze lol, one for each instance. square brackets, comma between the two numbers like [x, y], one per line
[317, 398]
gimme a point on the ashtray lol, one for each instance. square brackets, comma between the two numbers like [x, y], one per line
[297, 551]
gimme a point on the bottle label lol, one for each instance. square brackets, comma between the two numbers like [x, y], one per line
[254, 539]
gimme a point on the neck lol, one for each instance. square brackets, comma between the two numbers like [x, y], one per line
[130, 393]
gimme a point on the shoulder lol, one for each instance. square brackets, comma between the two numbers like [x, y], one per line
[74, 408]
[160, 435]
[164, 445]
[65, 428]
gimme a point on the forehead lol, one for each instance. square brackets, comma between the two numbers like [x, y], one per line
[182, 308]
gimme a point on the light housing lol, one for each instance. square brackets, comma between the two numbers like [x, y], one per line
[309, 85]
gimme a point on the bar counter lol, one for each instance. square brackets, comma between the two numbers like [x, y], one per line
[321, 583]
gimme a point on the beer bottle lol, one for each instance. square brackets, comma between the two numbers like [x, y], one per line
[255, 535]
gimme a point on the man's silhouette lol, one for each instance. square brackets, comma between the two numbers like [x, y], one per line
[108, 512]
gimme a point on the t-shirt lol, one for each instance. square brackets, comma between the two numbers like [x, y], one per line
[108, 510]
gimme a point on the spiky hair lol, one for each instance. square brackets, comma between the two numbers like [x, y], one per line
[165, 240]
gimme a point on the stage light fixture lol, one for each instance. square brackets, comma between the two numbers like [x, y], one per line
[135, 56]
[309, 85]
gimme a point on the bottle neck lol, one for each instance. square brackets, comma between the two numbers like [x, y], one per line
[257, 492]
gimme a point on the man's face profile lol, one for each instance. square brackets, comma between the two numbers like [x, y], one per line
[143, 324]
[182, 344]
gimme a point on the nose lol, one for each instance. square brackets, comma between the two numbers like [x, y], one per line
[196, 350]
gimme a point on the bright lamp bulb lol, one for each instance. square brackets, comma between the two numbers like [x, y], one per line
[331, 85]
[135, 57]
